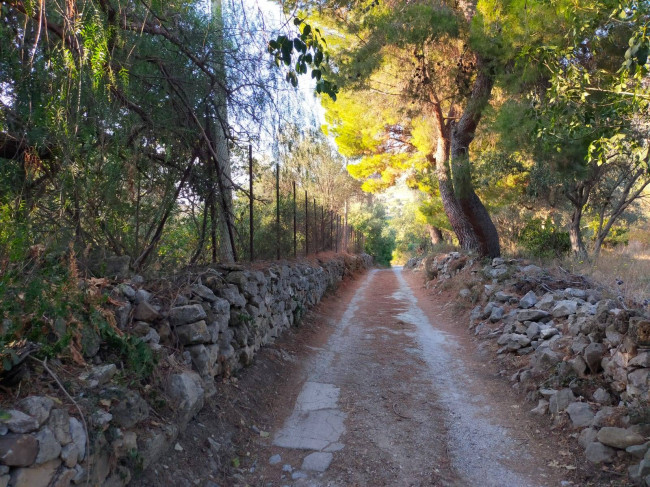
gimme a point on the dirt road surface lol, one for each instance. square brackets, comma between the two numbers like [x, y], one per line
[380, 388]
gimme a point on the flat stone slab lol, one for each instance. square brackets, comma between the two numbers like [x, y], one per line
[313, 430]
[317, 461]
[315, 423]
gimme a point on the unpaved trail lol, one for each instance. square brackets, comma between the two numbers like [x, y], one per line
[389, 399]
[379, 388]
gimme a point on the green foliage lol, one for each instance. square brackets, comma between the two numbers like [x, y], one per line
[372, 222]
[543, 239]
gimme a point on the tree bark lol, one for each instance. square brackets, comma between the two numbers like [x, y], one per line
[575, 233]
[435, 235]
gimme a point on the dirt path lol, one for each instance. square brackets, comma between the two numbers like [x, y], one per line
[381, 388]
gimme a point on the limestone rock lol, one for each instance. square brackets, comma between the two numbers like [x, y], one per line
[564, 308]
[619, 437]
[580, 413]
[18, 450]
[186, 393]
[130, 410]
[587, 437]
[601, 396]
[39, 476]
[561, 400]
[593, 356]
[194, 333]
[146, 312]
[182, 315]
[641, 360]
[38, 407]
[496, 314]
[204, 293]
[79, 437]
[60, 425]
[532, 315]
[19, 422]
[598, 453]
[528, 301]
[99, 375]
[48, 447]
[70, 455]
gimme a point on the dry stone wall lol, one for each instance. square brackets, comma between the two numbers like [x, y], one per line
[583, 352]
[213, 326]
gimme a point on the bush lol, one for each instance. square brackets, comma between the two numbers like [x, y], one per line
[541, 238]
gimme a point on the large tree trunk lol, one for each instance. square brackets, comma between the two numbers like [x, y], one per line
[435, 235]
[467, 215]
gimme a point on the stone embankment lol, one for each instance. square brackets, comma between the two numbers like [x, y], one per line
[578, 351]
[211, 327]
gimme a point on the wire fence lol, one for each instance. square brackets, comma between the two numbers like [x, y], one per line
[294, 224]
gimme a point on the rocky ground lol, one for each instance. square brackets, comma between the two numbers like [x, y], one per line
[577, 351]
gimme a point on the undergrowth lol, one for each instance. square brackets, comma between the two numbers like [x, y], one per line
[47, 310]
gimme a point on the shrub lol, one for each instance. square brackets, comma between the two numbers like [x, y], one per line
[542, 238]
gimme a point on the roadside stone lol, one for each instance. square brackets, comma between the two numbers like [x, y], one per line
[580, 413]
[548, 332]
[19, 422]
[186, 393]
[48, 447]
[561, 400]
[65, 477]
[317, 461]
[587, 437]
[146, 312]
[598, 453]
[528, 301]
[193, 334]
[638, 382]
[496, 314]
[601, 396]
[40, 476]
[564, 308]
[100, 419]
[275, 459]
[541, 408]
[204, 293]
[533, 330]
[182, 315]
[79, 437]
[38, 407]
[532, 315]
[546, 302]
[502, 297]
[464, 293]
[619, 437]
[578, 365]
[131, 410]
[99, 375]
[606, 416]
[18, 450]
[70, 455]
[60, 425]
[638, 451]
[531, 270]
[593, 356]
[641, 360]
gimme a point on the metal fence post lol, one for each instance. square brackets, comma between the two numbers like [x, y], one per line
[277, 209]
[306, 225]
[250, 203]
[295, 238]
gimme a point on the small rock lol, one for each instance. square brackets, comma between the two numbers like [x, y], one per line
[146, 312]
[18, 450]
[619, 437]
[638, 451]
[561, 400]
[528, 301]
[598, 453]
[287, 468]
[464, 293]
[39, 476]
[186, 393]
[317, 461]
[601, 396]
[502, 297]
[641, 360]
[578, 365]
[298, 475]
[178, 447]
[580, 414]
[533, 330]
[70, 455]
[38, 407]
[548, 332]
[587, 437]
[60, 424]
[79, 437]
[182, 315]
[542, 407]
[100, 419]
[606, 416]
[19, 422]
[130, 410]
[564, 308]
[275, 459]
[531, 315]
[193, 334]
[48, 447]
[99, 375]
[496, 314]
[593, 356]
